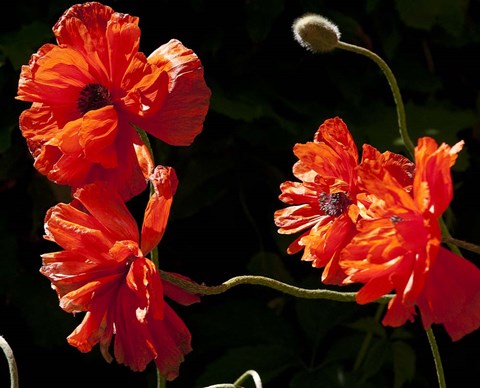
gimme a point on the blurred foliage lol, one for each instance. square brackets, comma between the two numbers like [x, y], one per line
[268, 93]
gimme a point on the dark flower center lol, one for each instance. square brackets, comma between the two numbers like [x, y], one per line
[396, 219]
[333, 204]
[93, 96]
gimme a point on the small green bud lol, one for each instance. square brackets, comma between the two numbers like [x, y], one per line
[316, 33]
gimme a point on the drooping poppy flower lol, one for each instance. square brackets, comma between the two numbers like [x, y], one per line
[397, 247]
[103, 271]
[93, 88]
[323, 206]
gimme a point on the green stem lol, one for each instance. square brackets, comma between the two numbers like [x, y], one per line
[448, 239]
[436, 358]
[462, 244]
[366, 341]
[12, 365]
[201, 289]
[402, 122]
[250, 373]
[154, 256]
[161, 382]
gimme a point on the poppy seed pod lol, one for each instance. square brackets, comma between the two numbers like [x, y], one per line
[316, 33]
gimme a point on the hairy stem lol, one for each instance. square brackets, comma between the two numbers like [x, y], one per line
[12, 365]
[249, 373]
[201, 289]
[402, 122]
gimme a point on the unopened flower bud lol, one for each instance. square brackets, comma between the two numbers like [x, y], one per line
[316, 33]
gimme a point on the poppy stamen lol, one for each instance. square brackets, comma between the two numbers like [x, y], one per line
[333, 204]
[396, 219]
[93, 96]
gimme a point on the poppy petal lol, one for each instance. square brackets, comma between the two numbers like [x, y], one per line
[181, 116]
[164, 181]
[123, 226]
[451, 295]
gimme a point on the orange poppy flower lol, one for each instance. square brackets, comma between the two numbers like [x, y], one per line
[324, 205]
[398, 246]
[93, 88]
[103, 270]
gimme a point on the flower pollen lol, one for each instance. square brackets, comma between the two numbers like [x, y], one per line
[333, 204]
[93, 96]
[396, 219]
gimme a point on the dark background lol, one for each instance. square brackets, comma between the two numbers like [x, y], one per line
[268, 93]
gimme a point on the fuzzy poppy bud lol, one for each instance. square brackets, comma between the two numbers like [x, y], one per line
[316, 33]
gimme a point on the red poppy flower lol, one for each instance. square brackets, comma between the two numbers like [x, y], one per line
[93, 88]
[103, 270]
[324, 204]
[398, 246]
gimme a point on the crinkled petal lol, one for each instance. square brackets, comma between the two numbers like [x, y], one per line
[97, 135]
[72, 229]
[433, 181]
[182, 115]
[164, 181]
[334, 133]
[55, 76]
[451, 295]
[173, 339]
[97, 326]
[398, 166]
[112, 214]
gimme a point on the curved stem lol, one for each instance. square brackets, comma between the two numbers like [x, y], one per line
[201, 289]
[12, 365]
[249, 373]
[402, 122]
[253, 374]
[436, 358]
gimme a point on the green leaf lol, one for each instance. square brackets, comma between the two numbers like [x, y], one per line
[344, 348]
[269, 361]
[377, 355]
[261, 14]
[438, 120]
[369, 325]
[452, 15]
[413, 75]
[236, 322]
[21, 44]
[403, 363]
[270, 265]
[331, 376]
[318, 317]
[442, 122]
[424, 14]
[251, 101]
[418, 14]
[201, 184]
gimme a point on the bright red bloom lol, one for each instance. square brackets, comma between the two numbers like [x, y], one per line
[324, 204]
[398, 246]
[103, 270]
[89, 91]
